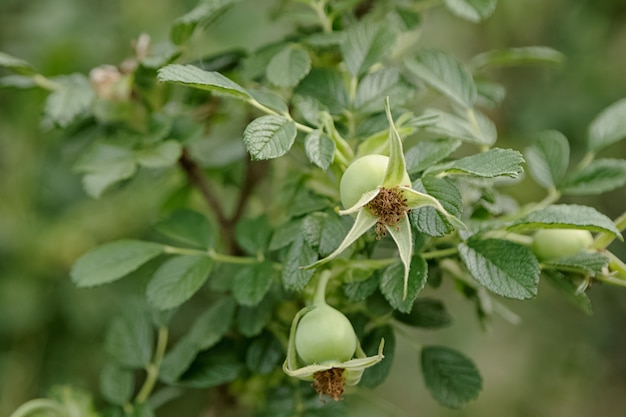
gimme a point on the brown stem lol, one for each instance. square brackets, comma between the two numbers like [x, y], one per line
[255, 172]
[197, 179]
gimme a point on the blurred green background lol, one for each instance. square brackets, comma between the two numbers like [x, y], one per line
[557, 362]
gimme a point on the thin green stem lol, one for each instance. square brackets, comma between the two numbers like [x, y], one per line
[320, 292]
[153, 368]
[616, 265]
[40, 404]
[229, 259]
[440, 253]
[299, 126]
[211, 253]
[318, 7]
[46, 83]
[611, 280]
[589, 156]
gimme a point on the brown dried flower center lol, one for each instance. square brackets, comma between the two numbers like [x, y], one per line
[390, 207]
[330, 382]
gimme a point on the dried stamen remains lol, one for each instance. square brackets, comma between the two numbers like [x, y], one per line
[330, 382]
[390, 207]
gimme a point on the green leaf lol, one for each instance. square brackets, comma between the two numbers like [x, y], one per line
[429, 152]
[253, 235]
[326, 86]
[300, 254]
[105, 164]
[599, 176]
[503, 267]
[608, 127]
[567, 216]
[189, 228]
[116, 384]
[375, 86]
[490, 94]
[483, 132]
[308, 108]
[72, 99]
[285, 234]
[495, 162]
[451, 377]
[427, 313]
[16, 65]
[269, 136]
[17, 81]
[253, 66]
[177, 280]
[162, 155]
[548, 158]
[377, 374]
[206, 12]
[264, 354]
[212, 325]
[252, 320]
[192, 76]
[365, 44]
[320, 149]
[142, 410]
[252, 282]
[569, 290]
[472, 10]
[517, 56]
[211, 369]
[430, 221]
[589, 262]
[177, 360]
[112, 261]
[129, 338]
[270, 100]
[206, 331]
[360, 289]
[323, 231]
[288, 67]
[446, 74]
[392, 286]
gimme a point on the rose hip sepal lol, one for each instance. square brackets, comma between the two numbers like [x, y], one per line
[378, 189]
[317, 353]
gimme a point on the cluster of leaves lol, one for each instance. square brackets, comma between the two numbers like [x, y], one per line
[315, 99]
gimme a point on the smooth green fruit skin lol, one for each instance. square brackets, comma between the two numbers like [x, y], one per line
[324, 334]
[363, 175]
[558, 243]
